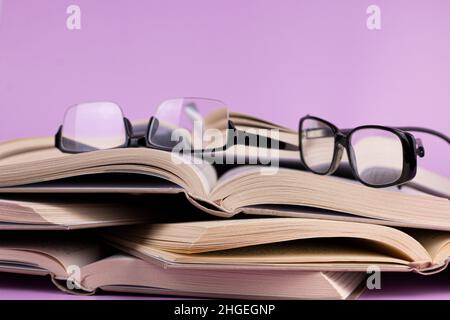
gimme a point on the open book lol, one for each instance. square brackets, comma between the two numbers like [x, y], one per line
[65, 211]
[286, 244]
[36, 166]
[90, 266]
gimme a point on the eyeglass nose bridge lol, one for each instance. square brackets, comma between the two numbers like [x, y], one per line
[341, 139]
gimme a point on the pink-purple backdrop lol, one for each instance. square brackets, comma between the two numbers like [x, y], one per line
[276, 59]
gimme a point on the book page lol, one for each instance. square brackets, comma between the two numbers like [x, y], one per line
[130, 274]
[437, 243]
[250, 187]
[241, 119]
[285, 238]
[28, 161]
[89, 210]
[77, 249]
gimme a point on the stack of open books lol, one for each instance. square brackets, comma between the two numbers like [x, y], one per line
[133, 220]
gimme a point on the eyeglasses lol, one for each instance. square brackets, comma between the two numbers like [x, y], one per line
[194, 124]
[378, 156]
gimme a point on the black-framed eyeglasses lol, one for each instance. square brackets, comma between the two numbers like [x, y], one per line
[192, 124]
[379, 156]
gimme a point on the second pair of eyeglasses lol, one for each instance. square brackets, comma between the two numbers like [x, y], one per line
[193, 124]
[378, 156]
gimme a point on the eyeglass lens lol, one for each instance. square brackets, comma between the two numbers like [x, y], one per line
[93, 126]
[317, 145]
[377, 156]
[194, 123]
[375, 153]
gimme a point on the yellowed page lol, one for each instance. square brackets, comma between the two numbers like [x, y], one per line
[28, 161]
[207, 236]
[437, 243]
[66, 249]
[252, 187]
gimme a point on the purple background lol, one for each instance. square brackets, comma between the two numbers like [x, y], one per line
[275, 59]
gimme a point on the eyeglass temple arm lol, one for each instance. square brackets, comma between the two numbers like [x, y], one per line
[240, 138]
[416, 129]
[426, 130]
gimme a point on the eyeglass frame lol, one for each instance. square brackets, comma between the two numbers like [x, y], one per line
[133, 141]
[411, 148]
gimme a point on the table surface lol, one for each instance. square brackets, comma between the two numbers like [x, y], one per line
[411, 286]
[393, 286]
